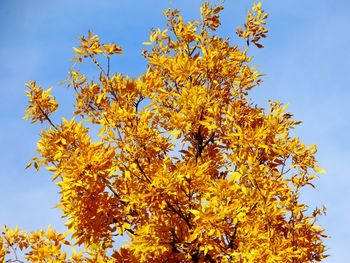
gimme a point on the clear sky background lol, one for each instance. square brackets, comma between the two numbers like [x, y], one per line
[306, 62]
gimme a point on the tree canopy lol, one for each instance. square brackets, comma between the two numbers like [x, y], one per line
[185, 163]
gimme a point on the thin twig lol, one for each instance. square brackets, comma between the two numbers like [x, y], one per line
[98, 65]
[108, 65]
[47, 117]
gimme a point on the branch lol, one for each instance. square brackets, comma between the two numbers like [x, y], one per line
[179, 213]
[98, 65]
[47, 117]
[207, 142]
[142, 171]
[108, 65]
[14, 252]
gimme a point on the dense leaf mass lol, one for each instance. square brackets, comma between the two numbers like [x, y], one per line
[184, 163]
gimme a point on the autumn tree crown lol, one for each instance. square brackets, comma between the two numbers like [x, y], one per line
[185, 164]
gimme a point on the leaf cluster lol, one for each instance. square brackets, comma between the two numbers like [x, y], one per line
[184, 163]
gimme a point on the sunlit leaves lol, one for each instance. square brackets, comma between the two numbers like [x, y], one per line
[112, 49]
[210, 15]
[254, 28]
[179, 159]
[39, 246]
[41, 103]
[91, 46]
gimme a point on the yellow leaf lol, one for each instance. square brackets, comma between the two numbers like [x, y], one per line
[52, 168]
[235, 176]
[78, 51]
[320, 170]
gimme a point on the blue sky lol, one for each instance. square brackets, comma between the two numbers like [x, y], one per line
[306, 62]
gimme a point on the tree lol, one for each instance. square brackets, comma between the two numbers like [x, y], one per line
[185, 163]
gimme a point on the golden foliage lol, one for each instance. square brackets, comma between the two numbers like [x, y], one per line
[184, 163]
[254, 26]
[41, 103]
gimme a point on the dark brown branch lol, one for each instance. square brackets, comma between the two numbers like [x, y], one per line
[131, 231]
[114, 191]
[199, 143]
[179, 213]
[209, 140]
[98, 65]
[108, 65]
[47, 117]
[142, 171]
[208, 257]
